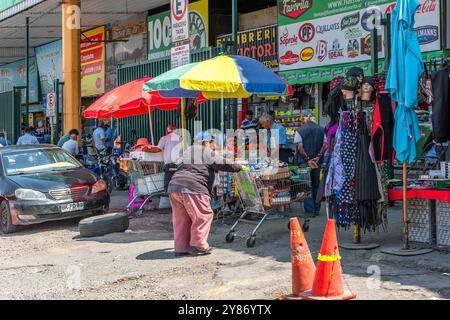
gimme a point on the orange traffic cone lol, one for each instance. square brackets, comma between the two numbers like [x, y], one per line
[303, 268]
[328, 278]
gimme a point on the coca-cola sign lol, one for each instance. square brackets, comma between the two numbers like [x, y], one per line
[294, 8]
[426, 7]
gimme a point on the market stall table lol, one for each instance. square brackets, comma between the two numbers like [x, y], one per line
[431, 194]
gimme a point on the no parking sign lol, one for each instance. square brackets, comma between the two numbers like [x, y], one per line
[51, 104]
[180, 20]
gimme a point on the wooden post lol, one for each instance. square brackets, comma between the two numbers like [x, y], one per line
[356, 234]
[405, 210]
[71, 26]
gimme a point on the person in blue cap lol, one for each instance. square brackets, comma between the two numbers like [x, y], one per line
[190, 195]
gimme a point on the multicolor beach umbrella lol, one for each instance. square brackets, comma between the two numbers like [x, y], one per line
[225, 76]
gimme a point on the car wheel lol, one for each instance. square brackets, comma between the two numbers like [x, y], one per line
[6, 225]
[105, 224]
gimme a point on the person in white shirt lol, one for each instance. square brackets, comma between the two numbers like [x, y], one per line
[170, 146]
[71, 146]
[27, 138]
[100, 137]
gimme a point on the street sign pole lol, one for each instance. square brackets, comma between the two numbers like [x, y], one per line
[27, 98]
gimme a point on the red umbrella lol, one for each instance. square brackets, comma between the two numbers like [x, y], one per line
[130, 100]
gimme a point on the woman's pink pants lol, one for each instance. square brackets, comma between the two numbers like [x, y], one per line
[192, 219]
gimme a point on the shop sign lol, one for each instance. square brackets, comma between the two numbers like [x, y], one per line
[307, 54]
[180, 20]
[366, 44]
[286, 39]
[160, 30]
[321, 29]
[294, 11]
[289, 58]
[336, 51]
[321, 50]
[15, 75]
[350, 21]
[306, 32]
[92, 58]
[371, 19]
[49, 62]
[353, 48]
[261, 44]
[294, 8]
[427, 34]
[353, 33]
[125, 31]
[180, 55]
[6, 4]
[355, 25]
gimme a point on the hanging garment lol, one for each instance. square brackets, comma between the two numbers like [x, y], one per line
[366, 176]
[335, 176]
[441, 104]
[349, 153]
[382, 129]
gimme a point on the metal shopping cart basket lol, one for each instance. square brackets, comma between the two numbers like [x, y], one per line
[147, 179]
[260, 195]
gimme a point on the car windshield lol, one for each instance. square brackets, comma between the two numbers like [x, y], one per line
[38, 161]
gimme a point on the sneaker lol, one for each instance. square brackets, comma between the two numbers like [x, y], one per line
[200, 252]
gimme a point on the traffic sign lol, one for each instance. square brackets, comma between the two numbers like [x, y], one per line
[180, 20]
[51, 104]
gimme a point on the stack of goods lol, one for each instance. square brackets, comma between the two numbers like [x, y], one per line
[276, 192]
[226, 185]
[421, 220]
[443, 223]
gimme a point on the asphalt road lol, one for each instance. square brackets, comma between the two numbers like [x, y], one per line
[51, 261]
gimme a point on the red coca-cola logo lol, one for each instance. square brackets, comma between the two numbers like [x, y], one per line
[286, 39]
[426, 7]
[294, 8]
[289, 58]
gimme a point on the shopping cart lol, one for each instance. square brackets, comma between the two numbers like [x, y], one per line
[261, 194]
[147, 179]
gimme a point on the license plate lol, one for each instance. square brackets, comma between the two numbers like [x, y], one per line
[77, 206]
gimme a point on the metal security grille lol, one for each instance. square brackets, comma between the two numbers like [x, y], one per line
[208, 113]
[10, 114]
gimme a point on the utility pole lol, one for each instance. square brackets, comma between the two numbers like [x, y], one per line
[71, 26]
[234, 22]
[27, 98]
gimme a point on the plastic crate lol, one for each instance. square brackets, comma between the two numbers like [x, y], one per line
[422, 220]
[442, 223]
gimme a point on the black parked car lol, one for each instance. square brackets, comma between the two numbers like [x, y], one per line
[41, 183]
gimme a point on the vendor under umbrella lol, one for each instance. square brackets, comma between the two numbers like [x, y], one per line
[190, 195]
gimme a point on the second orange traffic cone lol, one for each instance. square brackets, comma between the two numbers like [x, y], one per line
[303, 268]
[328, 280]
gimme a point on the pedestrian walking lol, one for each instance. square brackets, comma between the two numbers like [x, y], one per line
[27, 137]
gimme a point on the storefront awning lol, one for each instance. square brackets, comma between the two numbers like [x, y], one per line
[45, 21]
